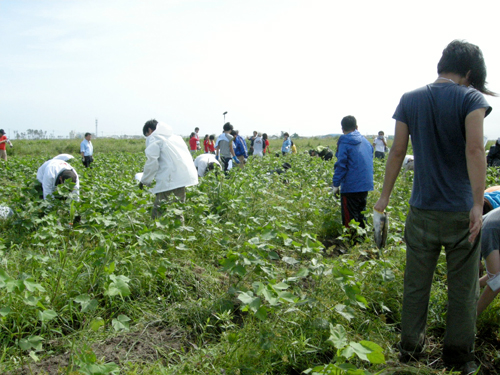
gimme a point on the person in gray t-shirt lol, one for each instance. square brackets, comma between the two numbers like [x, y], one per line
[224, 147]
[490, 245]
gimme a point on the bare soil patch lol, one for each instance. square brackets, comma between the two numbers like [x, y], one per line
[146, 346]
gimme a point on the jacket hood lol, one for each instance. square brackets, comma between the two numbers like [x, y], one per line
[163, 129]
[353, 138]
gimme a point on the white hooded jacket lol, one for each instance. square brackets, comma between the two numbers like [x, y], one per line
[169, 161]
[51, 170]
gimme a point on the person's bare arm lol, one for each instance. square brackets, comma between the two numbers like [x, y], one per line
[476, 167]
[394, 162]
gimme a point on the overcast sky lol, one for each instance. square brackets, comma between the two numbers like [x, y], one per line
[273, 65]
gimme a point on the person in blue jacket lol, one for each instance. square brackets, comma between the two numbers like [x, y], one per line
[240, 147]
[286, 148]
[353, 175]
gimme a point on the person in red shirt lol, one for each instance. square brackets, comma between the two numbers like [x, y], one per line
[206, 142]
[192, 143]
[211, 144]
[266, 144]
[3, 142]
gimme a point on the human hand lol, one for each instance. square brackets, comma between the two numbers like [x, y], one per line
[236, 160]
[217, 157]
[336, 191]
[476, 221]
[83, 159]
[381, 205]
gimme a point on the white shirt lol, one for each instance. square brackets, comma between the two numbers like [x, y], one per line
[169, 161]
[379, 144]
[258, 146]
[87, 148]
[49, 175]
[201, 162]
[64, 157]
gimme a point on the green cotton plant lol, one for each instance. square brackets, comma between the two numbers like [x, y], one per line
[346, 351]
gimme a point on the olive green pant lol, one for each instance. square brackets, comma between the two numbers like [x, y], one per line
[165, 197]
[426, 233]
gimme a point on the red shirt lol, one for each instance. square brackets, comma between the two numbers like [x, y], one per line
[192, 143]
[205, 144]
[2, 145]
[211, 146]
[267, 147]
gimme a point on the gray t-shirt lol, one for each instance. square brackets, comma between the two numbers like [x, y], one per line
[223, 142]
[490, 236]
[435, 115]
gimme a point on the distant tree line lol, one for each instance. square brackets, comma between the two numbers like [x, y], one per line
[31, 134]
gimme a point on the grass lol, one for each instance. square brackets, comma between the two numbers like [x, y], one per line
[245, 286]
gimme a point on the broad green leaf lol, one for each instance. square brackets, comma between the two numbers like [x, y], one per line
[32, 286]
[261, 313]
[4, 311]
[287, 296]
[290, 260]
[338, 336]
[270, 297]
[96, 324]
[34, 342]
[121, 323]
[280, 286]
[47, 315]
[360, 350]
[344, 311]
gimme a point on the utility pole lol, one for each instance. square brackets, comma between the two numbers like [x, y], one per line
[96, 128]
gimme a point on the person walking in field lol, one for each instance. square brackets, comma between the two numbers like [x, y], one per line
[380, 144]
[169, 163]
[443, 118]
[266, 144]
[258, 145]
[353, 172]
[87, 150]
[211, 144]
[224, 147]
[3, 141]
[193, 143]
[286, 147]
[240, 148]
[197, 136]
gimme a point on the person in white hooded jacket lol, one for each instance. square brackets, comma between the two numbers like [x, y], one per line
[168, 162]
[55, 172]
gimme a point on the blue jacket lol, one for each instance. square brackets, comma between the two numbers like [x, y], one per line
[287, 146]
[240, 147]
[354, 166]
[494, 198]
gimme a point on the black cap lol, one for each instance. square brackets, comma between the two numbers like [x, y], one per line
[2, 131]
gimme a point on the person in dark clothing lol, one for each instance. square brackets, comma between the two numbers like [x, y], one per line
[353, 176]
[493, 157]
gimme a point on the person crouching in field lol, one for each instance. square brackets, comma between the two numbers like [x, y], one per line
[490, 250]
[54, 172]
[444, 118]
[353, 172]
[169, 163]
[205, 163]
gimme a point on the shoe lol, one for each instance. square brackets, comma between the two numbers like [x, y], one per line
[406, 356]
[469, 368]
